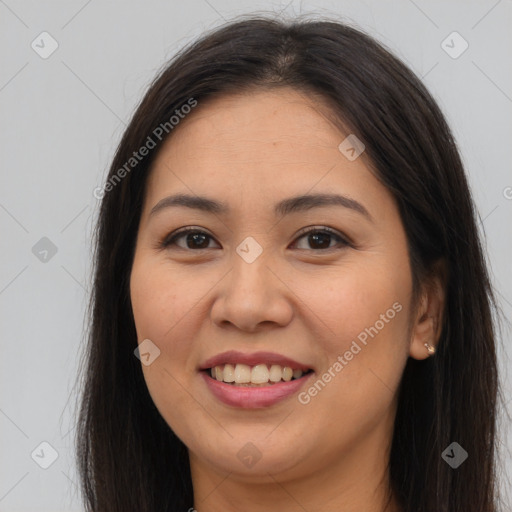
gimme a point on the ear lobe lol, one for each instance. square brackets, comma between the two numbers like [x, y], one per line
[429, 318]
[423, 333]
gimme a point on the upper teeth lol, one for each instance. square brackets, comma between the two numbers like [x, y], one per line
[259, 374]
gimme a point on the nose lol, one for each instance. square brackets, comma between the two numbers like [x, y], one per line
[252, 296]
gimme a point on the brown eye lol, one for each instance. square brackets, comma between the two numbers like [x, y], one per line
[194, 239]
[317, 239]
[321, 238]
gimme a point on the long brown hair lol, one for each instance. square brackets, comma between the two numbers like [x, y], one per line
[129, 458]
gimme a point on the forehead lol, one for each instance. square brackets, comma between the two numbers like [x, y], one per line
[277, 114]
[282, 122]
[261, 143]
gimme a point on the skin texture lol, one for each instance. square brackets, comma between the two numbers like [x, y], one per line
[297, 299]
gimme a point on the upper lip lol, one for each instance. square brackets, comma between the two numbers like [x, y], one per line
[252, 359]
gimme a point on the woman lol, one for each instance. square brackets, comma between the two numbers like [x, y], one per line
[291, 308]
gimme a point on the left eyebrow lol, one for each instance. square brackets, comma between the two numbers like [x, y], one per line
[310, 201]
[285, 207]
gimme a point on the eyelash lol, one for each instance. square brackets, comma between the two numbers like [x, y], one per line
[342, 241]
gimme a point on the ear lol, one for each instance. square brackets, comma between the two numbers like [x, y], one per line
[428, 320]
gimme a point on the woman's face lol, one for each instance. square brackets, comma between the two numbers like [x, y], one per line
[250, 279]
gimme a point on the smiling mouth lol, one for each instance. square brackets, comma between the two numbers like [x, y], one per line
[259, 375]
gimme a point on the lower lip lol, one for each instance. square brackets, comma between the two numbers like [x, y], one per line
[253, 397]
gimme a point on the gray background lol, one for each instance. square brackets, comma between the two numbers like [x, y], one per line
[61, 119]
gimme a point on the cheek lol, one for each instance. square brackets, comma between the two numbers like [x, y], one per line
[170, 308]
[161, 299]
[347, 302]
[163, 303]
[362, 313]
[362, 316]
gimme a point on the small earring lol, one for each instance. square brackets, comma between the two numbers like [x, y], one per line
[431, 349]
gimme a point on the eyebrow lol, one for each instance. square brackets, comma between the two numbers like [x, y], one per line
[286, 206]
